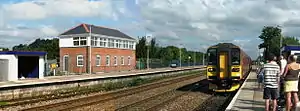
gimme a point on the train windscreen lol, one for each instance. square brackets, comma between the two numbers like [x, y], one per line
[212, 56]
[235, 57]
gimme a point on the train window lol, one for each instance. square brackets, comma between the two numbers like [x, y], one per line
[235, 57]
[212, 56]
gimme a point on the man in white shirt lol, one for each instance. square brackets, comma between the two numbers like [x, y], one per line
[283, 63]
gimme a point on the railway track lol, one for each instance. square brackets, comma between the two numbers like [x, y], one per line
[188, 90]
[91, 100]
[37, 99]
[159, 99]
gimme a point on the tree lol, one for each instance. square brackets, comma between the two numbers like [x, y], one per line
[51, 46]
[271, 37]
[141, 49]
[4, 49]
[271, 40]
[290, 41]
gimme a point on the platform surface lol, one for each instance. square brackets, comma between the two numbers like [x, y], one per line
[249, 97]
[51, 79]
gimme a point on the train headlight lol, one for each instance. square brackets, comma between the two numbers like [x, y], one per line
[235, 70]
[211, 69]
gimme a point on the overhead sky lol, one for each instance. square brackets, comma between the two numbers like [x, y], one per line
[196, 24]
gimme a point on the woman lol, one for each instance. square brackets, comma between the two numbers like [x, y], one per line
[291, 81]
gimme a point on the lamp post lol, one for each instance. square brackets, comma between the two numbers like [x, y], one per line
[148, 38]
[90, 50]
[194, 58]
[280, 45]
[189, 60]
[180, 55]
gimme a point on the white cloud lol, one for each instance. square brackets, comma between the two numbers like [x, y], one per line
[25, 10]
[200, 23]
[49, 31]
[42, 9]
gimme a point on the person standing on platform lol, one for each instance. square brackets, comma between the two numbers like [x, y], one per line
[271, 72]
[291, 77]
[283, 63]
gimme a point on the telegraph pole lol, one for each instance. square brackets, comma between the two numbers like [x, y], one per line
[148, 49]
[90, 50]
[180, 55]
[194, 58]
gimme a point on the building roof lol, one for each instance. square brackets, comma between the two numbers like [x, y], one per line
[23, 53]
[85, 28]
[289, 48]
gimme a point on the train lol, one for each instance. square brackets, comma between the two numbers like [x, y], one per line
[227, 67]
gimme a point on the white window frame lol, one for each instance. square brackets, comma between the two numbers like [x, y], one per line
[107, 60]
[77, 60]
[115, 60]
[122, 60]
[103, 42]
[76, 39]
[117, 43]
[129, 60]
[80, 39]
[126, 44]
[98, 60]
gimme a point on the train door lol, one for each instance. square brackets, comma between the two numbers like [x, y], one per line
[223, 65]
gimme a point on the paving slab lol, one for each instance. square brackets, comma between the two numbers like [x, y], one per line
[249, 97]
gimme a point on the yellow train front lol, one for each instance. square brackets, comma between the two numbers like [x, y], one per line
[227, 66]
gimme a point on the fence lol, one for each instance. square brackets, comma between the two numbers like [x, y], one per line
[72, 68]
[159, 63]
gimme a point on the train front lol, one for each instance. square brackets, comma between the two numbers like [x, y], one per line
[224, 69]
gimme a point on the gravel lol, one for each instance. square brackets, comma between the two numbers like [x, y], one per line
[127, 100]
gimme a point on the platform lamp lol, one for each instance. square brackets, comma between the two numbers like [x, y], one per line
[180, 47]
[148, 40]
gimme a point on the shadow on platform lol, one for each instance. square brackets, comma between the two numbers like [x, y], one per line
[251, 102]
[251, 108]
[251, 80]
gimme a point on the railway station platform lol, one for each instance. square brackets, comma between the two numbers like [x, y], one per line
[70, 78]
[249, 97]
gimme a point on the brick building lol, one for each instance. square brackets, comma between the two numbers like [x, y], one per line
[111, 50]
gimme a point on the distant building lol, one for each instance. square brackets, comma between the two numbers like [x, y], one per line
[111, 50]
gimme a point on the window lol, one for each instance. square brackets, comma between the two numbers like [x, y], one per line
[95, 41]
[117, 43]
[82, 41]
[235, 57]
[103, 42]
[129, 60]
[80, 60]
[212, 56]
[126, 44]
[79, 41]
[98, 60]
[107, 60]
[76, 41]
[115, 60]
[122, 60]
[123, 44]
[111, 43]
[131, 45]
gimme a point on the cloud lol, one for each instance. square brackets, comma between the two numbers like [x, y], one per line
[201, 23]
[42, 9]
[19, 34]
[27, 20]
[196, 24]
